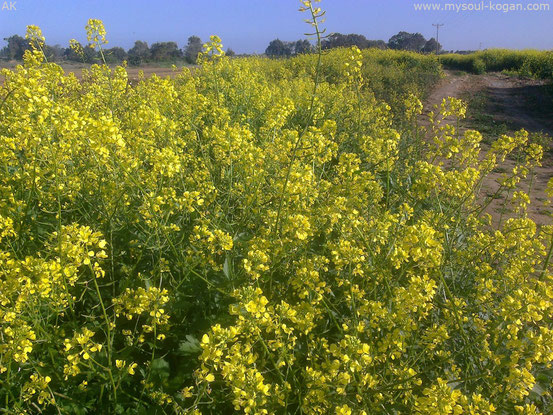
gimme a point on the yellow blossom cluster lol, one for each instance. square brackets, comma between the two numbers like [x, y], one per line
[264, 237]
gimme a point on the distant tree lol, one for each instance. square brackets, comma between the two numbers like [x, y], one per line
[278, 48]
[407, 41]
[115, 55]
[164, 51]
[230, 52]
[377, 44]
[139, 53]
[334, 40]
[431, 46]
[90, 54]
[71, 55]
[193, 48]
[302, 46]
[15, 48]
[338, 40]
[54, 53]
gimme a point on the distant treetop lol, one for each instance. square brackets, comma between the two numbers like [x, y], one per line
[402, 41]
[140, 53]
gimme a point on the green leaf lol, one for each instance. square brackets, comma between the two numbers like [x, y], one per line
[190, 346]
[226, 267]
[160, 369]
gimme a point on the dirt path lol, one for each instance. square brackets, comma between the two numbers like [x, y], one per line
[519, 103]
[450, 86]
[500, 104]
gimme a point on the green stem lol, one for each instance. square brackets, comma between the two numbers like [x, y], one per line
[318, 33]
[548, 258]
[108, 335]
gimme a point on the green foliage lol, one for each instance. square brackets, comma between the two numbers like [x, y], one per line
[165, 51]
[54, 53]
[193, 48]
[432, 46]
[303, 46]
[15, 48]
[139, 53]
[414, 42]
[115, 55]
[532, 63]
[338, 40]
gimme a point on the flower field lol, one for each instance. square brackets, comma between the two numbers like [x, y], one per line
[264, 237]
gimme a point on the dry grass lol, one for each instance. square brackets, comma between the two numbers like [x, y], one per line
[133, 71]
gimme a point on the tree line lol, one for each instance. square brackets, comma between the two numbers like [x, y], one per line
[138, 54]
[141, 52]
[415, 42]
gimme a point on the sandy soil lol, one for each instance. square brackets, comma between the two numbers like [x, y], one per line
[513, 103]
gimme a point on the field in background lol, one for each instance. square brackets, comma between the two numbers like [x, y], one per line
[133, 71]
[531, 63]
[391, 73]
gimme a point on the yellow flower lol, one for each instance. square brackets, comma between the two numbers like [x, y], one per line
[131, 368]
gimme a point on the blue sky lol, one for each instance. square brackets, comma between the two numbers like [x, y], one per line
[247, 26]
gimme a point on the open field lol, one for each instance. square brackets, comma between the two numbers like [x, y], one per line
[133, 71]
[275, 236]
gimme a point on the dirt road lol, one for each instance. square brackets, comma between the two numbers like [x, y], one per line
[501, 104]
[517, 102]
